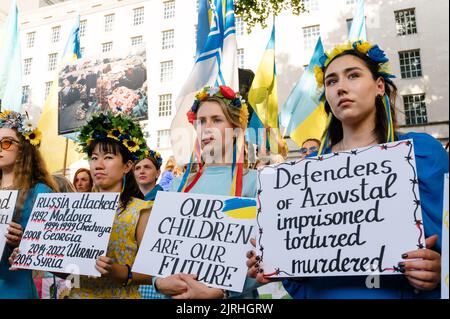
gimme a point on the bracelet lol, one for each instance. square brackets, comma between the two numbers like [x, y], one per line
[154, 278]
[129, 276]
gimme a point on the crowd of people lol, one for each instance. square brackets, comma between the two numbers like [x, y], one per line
[360, 102]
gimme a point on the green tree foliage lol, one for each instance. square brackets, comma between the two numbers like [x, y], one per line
[255, 12]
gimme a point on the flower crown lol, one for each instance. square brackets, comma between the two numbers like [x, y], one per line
[227, 95]
[21, 122]
[373, 52]
[120, 128]
[154, 157]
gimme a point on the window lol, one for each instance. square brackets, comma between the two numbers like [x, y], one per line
[405, 21]
[106, 47]
[169, 9]
[83, 28]
[410, 65]
[82, 52]
[240, 57]
[351, 2]
[138, 14]
[163, 139]
[310, 36]
[197, 5]
[311, 5]
[52, 58]
[109, 22]
[239, 24]
[349, 25]
[25, 94]
[30, 39]
[27, 66]
[165, 105]
[166, 71]
[167, 39]
[48, 86]
[55, 34]
[136, 40]
[415, 109]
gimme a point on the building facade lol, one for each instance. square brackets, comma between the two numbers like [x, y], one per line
[414, 34]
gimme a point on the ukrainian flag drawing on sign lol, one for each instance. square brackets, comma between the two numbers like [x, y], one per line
[241, 208]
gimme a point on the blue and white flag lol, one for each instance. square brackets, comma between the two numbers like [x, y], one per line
[11, 64]
[216, 64]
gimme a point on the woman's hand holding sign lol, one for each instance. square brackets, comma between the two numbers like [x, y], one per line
[14, 234]
[253, 264]
[424, 271]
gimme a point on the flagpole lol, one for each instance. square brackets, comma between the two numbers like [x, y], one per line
[65, 156]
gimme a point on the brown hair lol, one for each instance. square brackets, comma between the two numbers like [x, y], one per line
[63, 183]
[335, 129]
[29, 170]
[81, 170]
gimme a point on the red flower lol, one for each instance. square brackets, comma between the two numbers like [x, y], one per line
[191, 117]
[227, 92]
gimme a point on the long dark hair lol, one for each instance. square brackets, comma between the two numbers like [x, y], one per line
[131, 188]
[381, 124]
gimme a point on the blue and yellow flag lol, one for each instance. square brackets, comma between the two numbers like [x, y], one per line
[11, 64]
[242, 208]
[53, 145]
[302, 115]
[358, 28]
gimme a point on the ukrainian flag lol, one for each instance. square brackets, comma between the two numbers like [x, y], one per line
[52, 144]
[241, 208]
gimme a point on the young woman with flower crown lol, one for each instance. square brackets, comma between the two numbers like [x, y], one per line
[360, 101]
[220, 117]
[112, 144]
[21, 167]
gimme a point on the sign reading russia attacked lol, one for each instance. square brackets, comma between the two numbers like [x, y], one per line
[206, 235]
[67, 232]
[340, 214]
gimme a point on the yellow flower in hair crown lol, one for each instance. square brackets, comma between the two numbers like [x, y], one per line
[373, 52]
[227, 95]
[22, 123]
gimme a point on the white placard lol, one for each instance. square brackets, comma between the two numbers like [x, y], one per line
[444, 256]
[7, 205]
[207, 235]
[340, 214]
[67, 232]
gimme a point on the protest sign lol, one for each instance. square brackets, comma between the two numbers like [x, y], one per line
[67, 232]
[444, 257]
[340, 214]
[207, 235]
[7, 203]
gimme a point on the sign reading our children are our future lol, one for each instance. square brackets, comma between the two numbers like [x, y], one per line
[7, 203]
[206, 235]
[67, 232]
[340, 214]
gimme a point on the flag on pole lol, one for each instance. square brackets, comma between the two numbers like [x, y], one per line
[11, 64]
[53, 145]
[302, 115]
[204, 17]
[358, 28]
[216, 64]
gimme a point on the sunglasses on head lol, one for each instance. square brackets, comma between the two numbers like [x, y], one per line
[305, 150]
[6, 143]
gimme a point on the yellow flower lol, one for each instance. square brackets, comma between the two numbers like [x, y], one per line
[34, 137]
[318, 73]
[338, 49]
[201, 95]
[89, 141]
[363, 46]
[385, 68]
[146, 153]
[4, 114]
[115, 133]
[243, 115]
[132, 145]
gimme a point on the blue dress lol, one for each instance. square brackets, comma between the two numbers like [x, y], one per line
[431, 164]
[216, 180]
[19, 284]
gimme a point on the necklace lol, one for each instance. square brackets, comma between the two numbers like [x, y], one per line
[343, 148]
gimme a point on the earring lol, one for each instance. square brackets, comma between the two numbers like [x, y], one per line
[124, 180]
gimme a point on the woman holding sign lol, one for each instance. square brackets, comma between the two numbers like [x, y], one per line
[220, 117]
[112, 143]
[21, 167]
[360, 101]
